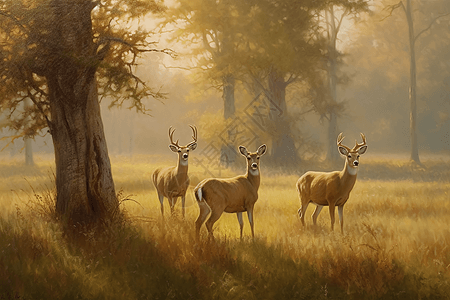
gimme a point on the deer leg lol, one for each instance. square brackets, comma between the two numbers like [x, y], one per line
[302, 211]
[341, 217]
[316, 213]
[332, 216]
[215, 215]
[241, 222]
[204, 211]
[172, 201]
[183, 205]
[161, 200]
[250, 219]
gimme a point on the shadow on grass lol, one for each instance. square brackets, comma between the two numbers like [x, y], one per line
[149, 259]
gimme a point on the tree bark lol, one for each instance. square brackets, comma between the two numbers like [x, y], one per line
[283, 147]
[412, 87]
[28, 151]
[84, 184]
[27, 139]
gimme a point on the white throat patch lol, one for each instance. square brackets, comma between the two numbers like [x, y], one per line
[184, 162]
[254, 172]
[352, 171]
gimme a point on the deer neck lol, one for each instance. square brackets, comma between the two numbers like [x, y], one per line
[349, 173]
[254, 177]
[182, 168]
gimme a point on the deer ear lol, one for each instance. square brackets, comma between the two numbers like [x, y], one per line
[193, 146]
[243, 151]
[173, 148]
[261, 150]
[342, 150]
[362, 150]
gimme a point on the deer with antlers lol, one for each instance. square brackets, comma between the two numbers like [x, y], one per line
[173, 182]
[231, 195]
[331, 189]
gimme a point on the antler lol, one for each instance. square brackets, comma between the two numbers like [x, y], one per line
[194, 136]
[357, 146]
[171, 137]
[194, 129]
[339, 141]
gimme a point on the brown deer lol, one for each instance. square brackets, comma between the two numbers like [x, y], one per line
[331, 189]
[173, 182]
[231, 195]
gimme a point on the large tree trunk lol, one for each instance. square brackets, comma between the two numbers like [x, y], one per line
[412, 88]
[283, 146]
[84, 184]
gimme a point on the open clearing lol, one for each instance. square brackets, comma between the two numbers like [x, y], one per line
[395, 245]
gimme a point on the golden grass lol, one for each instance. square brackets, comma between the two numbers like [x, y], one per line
[395, 246]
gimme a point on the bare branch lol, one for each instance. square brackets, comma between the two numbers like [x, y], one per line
[429, 26]
[392, 8]
[338, 27]
[292, 78]
[108, 40]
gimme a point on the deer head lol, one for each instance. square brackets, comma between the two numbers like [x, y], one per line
[183, 151]
[253, 158]
[352, 155]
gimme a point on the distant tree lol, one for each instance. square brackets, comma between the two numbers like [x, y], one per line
[413, 37]
[63, 54]
[210, 28]
[332, 18]
[277, 48]
[291, 43]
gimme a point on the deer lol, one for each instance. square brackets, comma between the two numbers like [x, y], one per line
[231, 195]
[173, 182]
[331, 188]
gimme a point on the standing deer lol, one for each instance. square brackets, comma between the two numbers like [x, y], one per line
[231, 195]
[331, 189]
[173, 182]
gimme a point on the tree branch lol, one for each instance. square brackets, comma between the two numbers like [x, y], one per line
[429, 26]
[392, 8]
[291, 79]
[338, 27]
[207, 45]
[107, 40]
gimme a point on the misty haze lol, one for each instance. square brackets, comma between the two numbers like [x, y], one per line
[311, 138]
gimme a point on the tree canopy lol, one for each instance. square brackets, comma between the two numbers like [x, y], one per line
[31, 50]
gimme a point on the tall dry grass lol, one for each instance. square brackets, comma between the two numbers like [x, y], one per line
[395, 245]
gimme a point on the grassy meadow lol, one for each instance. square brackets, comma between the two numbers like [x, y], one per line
[396, 241]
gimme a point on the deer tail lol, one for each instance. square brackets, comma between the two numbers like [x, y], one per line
[198, 194]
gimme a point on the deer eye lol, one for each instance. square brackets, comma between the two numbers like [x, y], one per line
[349, 156]
[357, 156]
[248, 157]
[257, 157]
[179, 151]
